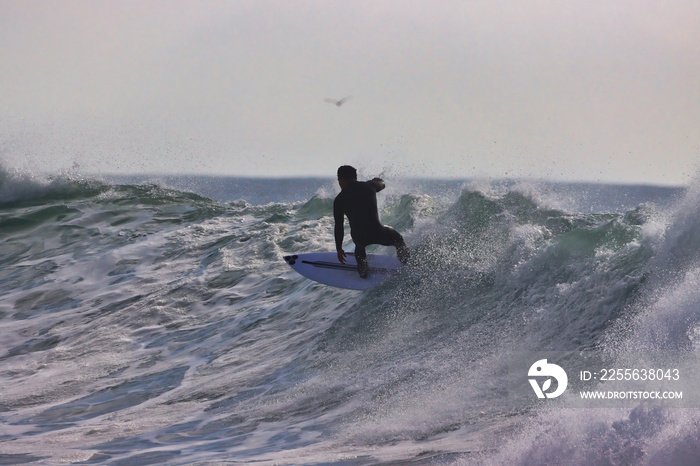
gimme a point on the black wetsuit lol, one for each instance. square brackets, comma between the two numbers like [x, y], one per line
[358, 200]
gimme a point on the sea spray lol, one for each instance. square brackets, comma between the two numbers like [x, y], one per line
[657, 329]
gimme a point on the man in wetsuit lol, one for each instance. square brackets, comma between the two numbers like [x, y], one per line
[358, 200]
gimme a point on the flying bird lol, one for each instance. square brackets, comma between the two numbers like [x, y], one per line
[338, 103]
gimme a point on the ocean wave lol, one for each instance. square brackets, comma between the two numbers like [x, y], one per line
[17, 185]
[120, 299]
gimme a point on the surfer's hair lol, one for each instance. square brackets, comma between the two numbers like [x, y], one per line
[346, 172]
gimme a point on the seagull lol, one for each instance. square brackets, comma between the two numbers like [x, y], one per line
[338, 103]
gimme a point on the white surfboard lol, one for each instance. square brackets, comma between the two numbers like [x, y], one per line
[325, 268]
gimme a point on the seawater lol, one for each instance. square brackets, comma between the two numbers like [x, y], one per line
[149, 320]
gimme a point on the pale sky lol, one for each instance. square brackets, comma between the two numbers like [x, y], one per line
[583, 90]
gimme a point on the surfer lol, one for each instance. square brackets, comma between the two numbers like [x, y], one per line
[358, 201]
